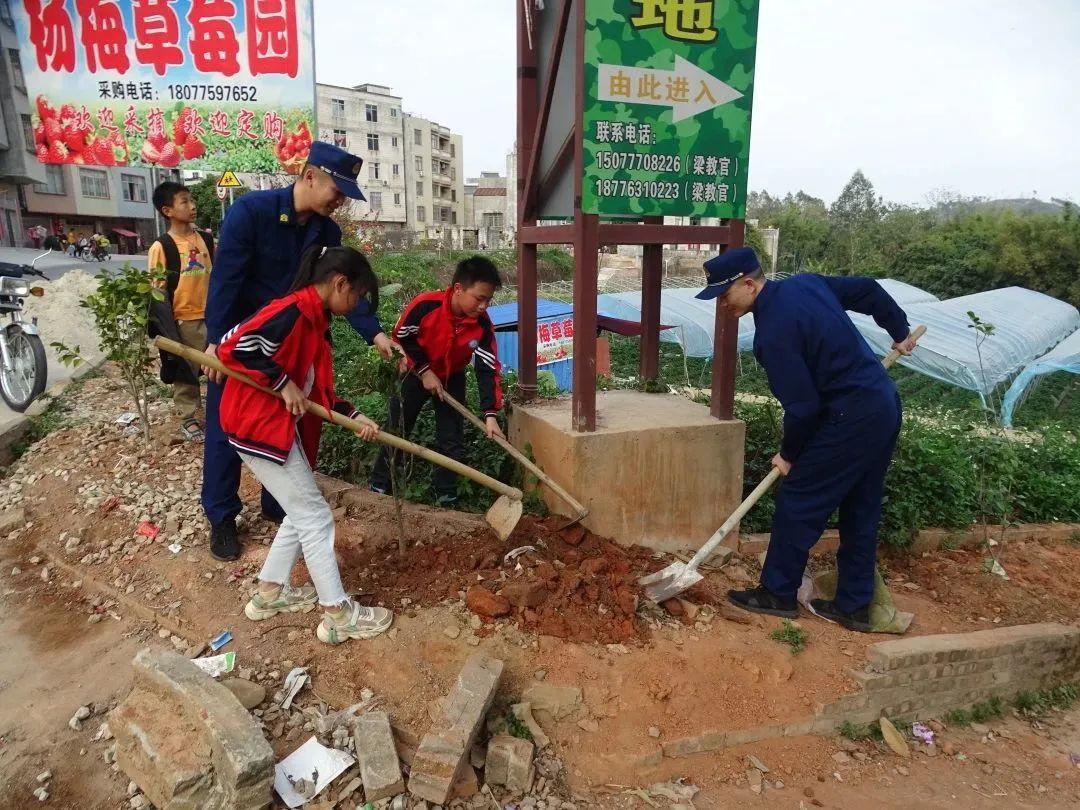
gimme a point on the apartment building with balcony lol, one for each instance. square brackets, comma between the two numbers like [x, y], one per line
[367, 120]
[19, 165]
[433, 157]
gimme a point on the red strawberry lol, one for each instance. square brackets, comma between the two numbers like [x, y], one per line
[44, 111]
[102, 153]
[157, 140]
[179, 136]
[42, 153]
[75, 138]
[53, 130]
[170, 156]
[150, 153]
[194, 148]
[58, 153]
[39, 135]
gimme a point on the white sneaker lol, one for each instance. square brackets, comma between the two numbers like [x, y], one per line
[359, 622]
[289, 600]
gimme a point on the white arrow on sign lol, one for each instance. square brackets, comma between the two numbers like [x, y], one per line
[633, 85]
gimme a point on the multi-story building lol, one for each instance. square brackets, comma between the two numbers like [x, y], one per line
[18, 163]
[486, 211]
[367, 120]
[113, 201]
[433, 160]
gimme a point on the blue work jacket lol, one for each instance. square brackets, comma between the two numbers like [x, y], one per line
[816, 361]
[258, 255]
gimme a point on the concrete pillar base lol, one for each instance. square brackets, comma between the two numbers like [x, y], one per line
[658, 471]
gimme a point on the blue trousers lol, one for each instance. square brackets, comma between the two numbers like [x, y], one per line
[842, 467]
[221, 469]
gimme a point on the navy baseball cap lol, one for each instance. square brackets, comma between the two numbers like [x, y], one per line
[724, 270]
[340, 165]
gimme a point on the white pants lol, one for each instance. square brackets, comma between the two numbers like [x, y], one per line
[308, 526]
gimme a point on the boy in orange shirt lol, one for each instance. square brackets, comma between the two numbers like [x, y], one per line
[186, 257]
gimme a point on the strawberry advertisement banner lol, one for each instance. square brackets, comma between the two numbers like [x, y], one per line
[203, 84]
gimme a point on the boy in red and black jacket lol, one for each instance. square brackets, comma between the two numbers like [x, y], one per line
[439, 333]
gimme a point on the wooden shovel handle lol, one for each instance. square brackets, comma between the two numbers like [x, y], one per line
[513, 451]
[203, 359]
[894, 355]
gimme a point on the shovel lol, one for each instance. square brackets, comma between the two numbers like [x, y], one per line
[503, 515]
[581, 511]
[677, 577]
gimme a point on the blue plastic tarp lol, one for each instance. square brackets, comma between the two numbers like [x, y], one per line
[1063, 357]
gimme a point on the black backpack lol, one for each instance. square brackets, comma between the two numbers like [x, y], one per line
[173, 368]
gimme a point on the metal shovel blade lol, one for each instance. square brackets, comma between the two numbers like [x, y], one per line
[670, 581]
[504, 515]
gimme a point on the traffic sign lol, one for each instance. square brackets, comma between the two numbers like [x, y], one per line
[228, 180]
[222, 192]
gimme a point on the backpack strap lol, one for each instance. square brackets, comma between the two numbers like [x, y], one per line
[172, 263]
[208, 240]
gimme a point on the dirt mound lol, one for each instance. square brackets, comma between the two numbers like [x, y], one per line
[569, 584]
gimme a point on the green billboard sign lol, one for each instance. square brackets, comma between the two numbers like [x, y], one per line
[668, 94]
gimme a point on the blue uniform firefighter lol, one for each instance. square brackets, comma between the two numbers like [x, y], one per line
[841, 421]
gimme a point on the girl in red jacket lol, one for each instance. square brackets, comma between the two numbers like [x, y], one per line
[286, 346]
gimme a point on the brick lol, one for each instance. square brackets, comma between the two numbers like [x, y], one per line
[447, 744]
[380, 769]
[509, 763]
[708, 741]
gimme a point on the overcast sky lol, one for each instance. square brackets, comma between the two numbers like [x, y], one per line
[977, 96]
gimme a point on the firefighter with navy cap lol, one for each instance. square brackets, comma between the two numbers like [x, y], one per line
[841, 421]
[262, 239]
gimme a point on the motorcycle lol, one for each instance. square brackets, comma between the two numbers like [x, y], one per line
[23, 366]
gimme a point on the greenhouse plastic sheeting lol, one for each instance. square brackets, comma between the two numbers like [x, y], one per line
[1063, 357]
[1026, 324]
[694, 320]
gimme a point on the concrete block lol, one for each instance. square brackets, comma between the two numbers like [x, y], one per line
[510, 763]
[558, 701]
[379, 766]
[242, 761]
[671, 472]
[446, 746]
[163, 752]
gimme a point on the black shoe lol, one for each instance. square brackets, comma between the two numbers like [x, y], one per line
[224, 541]
[272, 517]
[827, 610]
[762, 600]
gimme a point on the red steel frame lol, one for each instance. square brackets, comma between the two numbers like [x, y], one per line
[587, 234]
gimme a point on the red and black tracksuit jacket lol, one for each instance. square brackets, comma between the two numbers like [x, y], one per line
[288, 339]
[434, 338]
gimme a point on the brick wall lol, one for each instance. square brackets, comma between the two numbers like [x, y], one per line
[926, 676]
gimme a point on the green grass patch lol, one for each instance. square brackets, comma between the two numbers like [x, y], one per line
[792, 635]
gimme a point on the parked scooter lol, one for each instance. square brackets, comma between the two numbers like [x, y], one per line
[23, 368]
